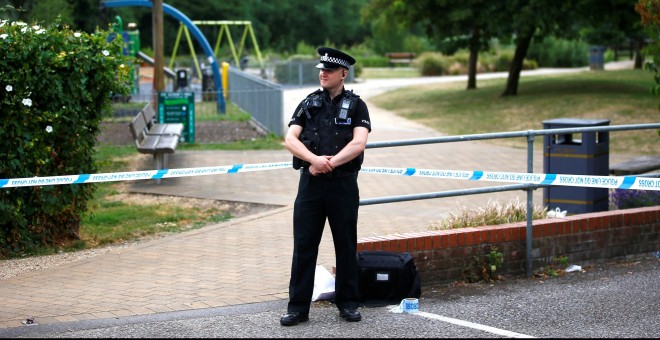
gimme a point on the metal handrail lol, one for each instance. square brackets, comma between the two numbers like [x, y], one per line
[529, 134]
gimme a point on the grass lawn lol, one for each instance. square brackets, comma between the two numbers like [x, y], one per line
[621, 96]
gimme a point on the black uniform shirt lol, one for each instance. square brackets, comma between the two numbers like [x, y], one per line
[360, 116]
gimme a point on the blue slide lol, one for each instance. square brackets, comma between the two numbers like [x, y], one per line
[197, 34]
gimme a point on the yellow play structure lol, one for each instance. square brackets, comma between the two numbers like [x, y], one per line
[224, 29]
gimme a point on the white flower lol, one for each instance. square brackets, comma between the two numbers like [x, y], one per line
[18, 23]
[9, 88]
[3, 36]
[2, 22]
[35, 27]
[121, 65]
[77, 34]
[27, 102]
[106, 53]
[49, 129]
[40, 31]
[24, 29]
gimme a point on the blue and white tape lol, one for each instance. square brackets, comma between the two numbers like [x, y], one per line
[140, 175]
[612, 182]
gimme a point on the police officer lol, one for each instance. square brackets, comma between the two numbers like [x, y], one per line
[327, 136]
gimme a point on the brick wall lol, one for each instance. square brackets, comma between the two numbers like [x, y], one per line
[442, 256]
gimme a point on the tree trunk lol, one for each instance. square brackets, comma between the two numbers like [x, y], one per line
[474, 56]
[159, 55]
[516, 65]
[639, 58]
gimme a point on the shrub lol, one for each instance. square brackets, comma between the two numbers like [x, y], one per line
[553, 52]
[494, 213]
[484, 267]
[374, 61]
[431, 64]
[55, 87]
[437, 64]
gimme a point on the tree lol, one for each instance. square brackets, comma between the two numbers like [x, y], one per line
[466, 23]
[48, 11]
[615, 23]
[526, 19]
[649, 10]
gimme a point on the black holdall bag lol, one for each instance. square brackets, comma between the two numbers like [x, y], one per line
[387, 277]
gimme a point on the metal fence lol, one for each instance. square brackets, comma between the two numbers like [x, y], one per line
[262, 99]
[529, 188]
[254, 91]
[301, 73]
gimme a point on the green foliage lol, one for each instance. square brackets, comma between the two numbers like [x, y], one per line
[484, 267]
[55, 87]
[374, 61]
[432, 64]
[555, 52]
[554, 268]
[649, 11]
[438, 64]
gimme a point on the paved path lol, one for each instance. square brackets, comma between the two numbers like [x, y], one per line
[248, 259]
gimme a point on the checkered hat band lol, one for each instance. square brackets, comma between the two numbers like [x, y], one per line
[341, 62]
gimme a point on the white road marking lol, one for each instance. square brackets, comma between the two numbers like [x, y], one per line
[473, 325]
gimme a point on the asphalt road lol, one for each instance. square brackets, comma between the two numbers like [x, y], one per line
[612, 300]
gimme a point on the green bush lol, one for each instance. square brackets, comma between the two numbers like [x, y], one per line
[55, 87]
[437, 64]
[374, 61]
[431, 64]
[553, 52]
[501, 61]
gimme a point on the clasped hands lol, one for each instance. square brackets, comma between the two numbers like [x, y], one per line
[320, 165]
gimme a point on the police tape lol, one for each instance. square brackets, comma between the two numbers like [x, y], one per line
[140, 175]
[612, 182]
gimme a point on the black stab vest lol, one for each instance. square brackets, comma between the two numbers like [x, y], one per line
[327, 129]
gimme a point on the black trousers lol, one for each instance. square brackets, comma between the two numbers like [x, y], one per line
[338, 200]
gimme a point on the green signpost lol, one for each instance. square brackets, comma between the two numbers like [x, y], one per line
[178, 107]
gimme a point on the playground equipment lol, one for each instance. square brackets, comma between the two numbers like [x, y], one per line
[197, 34]
[128, 49]
[224, 29]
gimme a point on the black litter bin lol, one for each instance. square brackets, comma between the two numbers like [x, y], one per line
[583, 153]
[208, 85]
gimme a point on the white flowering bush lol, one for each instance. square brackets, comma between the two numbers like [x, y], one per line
[55, 87]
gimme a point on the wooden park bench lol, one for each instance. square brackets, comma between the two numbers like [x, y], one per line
[400, 58]
[636, 166]
[159, 145]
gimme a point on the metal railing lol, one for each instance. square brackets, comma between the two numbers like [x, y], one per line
[529, 135]
[261, 98]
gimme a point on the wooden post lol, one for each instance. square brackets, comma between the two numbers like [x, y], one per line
[159, 55]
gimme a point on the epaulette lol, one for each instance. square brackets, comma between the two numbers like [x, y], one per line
[317, 92]
[351, 93]
[311, 101]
